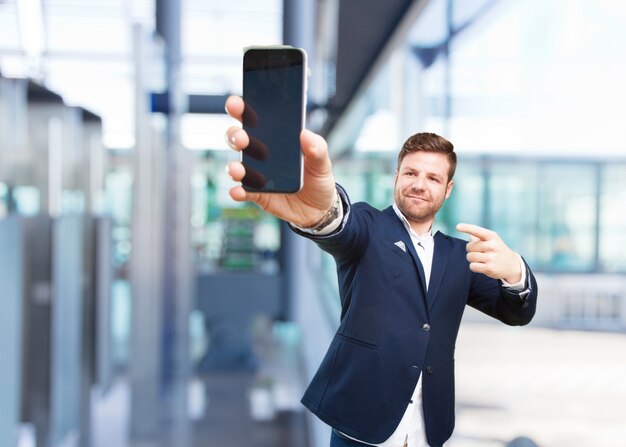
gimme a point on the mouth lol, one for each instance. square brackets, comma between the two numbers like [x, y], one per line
[417, 198]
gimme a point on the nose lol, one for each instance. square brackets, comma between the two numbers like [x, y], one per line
[418, 183]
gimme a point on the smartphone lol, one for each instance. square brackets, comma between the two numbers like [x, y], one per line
[274, 93]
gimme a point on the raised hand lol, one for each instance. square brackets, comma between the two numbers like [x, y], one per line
[487, 253]
[303, 208]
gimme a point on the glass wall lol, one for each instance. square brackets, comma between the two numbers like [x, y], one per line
[612, 234]
[565, 216]
[530, 94]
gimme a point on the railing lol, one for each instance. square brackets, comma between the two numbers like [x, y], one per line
[595, 302]
[586, 302]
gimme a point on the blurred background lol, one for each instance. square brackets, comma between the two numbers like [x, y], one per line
[142, 307]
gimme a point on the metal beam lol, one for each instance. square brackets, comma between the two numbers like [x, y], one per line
[194, 103]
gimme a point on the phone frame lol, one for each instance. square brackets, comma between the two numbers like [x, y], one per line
[269, 187]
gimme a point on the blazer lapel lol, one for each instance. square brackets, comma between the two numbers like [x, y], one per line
[440, 261]
[402, 235]
[416, 260]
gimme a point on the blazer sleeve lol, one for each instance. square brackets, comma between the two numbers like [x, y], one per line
[489, 296]
[350, 239]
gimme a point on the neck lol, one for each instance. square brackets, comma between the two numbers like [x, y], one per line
[421, 227]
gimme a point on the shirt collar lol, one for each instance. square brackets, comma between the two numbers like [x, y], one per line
[426, 237]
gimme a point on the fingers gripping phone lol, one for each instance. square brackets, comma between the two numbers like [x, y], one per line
[274, 93]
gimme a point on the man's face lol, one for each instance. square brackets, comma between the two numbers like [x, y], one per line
[421, 185]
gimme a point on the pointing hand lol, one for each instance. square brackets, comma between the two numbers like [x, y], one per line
[487, 253]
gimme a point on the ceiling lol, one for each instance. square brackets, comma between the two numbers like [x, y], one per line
[87, 50]
[86, 54]
[364, 29]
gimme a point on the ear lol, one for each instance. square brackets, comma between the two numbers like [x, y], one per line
[449, 188]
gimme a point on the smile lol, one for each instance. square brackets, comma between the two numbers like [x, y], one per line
[418, 198]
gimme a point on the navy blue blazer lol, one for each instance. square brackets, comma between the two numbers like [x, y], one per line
[392, 329]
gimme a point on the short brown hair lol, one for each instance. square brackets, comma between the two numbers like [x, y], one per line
[429, 142]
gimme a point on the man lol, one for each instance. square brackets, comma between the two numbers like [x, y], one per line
[388, 376]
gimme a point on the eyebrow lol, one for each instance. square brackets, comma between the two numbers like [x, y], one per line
[410, 169]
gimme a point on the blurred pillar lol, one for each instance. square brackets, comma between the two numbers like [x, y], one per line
[298, 31]
[11, 278]
[146, 261]
[299, 24]
[177, 270]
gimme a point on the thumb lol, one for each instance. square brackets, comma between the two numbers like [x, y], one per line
[471, 245]
[315, 150]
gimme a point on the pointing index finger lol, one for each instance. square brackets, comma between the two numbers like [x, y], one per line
[475, 230]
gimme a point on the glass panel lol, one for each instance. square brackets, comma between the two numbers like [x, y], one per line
[431, 28]
[9, 31]
[119, 184]
[121, 308]
[486, 85]
[353, 180]
[226, 234]
[381, 190]
[213, 41]
[567, 217]
[613, 219]
[26, 200]
[12, 279]
[466, 202]
[64, 31]
[4, 200]
[67, 324]
[512, 205]
[518, 78]
[434, 98]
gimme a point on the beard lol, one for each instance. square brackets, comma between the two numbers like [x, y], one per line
[416, 210]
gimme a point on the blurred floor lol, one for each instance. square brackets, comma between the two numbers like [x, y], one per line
[229, 407]
[559, 388]
[227, 421]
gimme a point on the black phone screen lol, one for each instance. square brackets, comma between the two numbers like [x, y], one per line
[274, 97]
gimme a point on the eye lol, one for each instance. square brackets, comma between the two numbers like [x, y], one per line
[435, 179]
